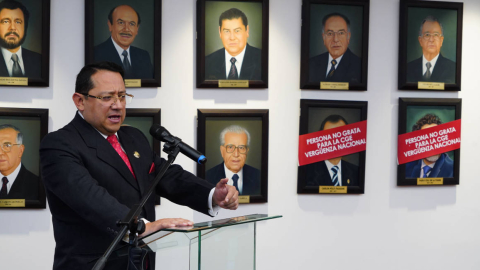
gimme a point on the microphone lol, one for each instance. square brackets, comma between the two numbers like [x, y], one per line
[160, 133]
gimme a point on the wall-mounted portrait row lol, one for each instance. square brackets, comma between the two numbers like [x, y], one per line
[232, 43]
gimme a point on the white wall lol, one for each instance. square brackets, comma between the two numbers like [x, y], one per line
[388, 227]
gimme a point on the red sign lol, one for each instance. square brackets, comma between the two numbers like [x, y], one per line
[332, 143]
[428, 142]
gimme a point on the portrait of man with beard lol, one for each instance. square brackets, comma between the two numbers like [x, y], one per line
[18, 61]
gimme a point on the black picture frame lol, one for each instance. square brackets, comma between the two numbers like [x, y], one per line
[428, 105]
[314, 55]
[151, 23]
[314, 112]
[35, 48]
[212, 30]
[35, 121]
[256, 121]
[412, 14]
[143, 119]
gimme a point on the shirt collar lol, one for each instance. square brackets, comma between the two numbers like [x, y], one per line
[330, 58]
[11, 177]
[229, 174]
[120, 49]
[433, 61]
[104, 136]
[7, 55]
[330, 165]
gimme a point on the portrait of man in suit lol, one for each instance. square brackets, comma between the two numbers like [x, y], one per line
[434, 166]
[17, 60]
[335, 171]
[237, 60]
[124, 25]
[339, 63]
[234, 147]
[17, 182]
[432, 65]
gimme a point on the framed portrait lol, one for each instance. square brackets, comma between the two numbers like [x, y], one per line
[334, 54]
[430, 45]
[143, 119]
[128, 34]
[21, 131]
[25, 44]
[429, 139]
[232, 44]
[332, 147]
[235, 143]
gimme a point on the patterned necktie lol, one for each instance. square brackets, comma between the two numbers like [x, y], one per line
[335, 176]
[426, 169]
[126, 63]
[233, 75]
[3, 192]
[332, 70]
[112, 139]
[428, 74]
[235, 181]
[16, 70]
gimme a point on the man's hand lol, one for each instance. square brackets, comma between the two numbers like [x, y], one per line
[225, 196]
[165, 223]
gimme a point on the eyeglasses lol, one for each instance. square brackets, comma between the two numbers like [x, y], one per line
[435, 36]
[242, 149]
[7, 147]
[340, 34]
[125, 98]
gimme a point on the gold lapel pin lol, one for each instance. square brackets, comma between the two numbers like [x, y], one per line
[136, 154]
[348, 181]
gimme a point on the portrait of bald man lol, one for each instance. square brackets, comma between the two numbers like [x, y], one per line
[124, 23]
[17, 182]
[431, 65]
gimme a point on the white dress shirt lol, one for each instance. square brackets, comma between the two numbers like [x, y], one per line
[339, 173]
[11, 177]
[238, 63]
[7, 56]
[423, 165]
[120, 51]
[424, 64]
[229, 174]
[329, 66]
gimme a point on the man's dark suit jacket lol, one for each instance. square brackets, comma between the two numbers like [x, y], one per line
[443, 168]
[32, 62]
[444, 71]
[251, 66]
[349, 69]
[318, 175]
[251, 178]
[25, 186]
[89, 188]
[141, 65]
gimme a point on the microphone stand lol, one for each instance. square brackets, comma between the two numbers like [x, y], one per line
[131, 222]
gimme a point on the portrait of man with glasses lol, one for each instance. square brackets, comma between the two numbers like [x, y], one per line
[432, 65]
[16, 181]
[234, 148]
[338, 63]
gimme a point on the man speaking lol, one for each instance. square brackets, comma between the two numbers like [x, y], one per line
[237, 60]
[95, 170]
[339, 64]
[431, 66]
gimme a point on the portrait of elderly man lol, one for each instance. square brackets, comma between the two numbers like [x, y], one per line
[17, 61]
[338, 64]
[237, 60]
[433, 166]
[124, 24]
[432, 65]
[17, 181]
[234, 148]
[335, 171]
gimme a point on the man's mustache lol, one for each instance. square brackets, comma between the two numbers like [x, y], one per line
[9, 33]
[126, 34]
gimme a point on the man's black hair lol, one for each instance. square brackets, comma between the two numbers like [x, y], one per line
[84, 81]
[12, 4]
[428, 119]
[334, 118]
[233, 13]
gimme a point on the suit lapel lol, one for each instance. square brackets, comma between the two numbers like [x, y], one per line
[17, 187]
[113, 54]
[3, 66]
[104, 150]
[128, 145]
[248, 66]
[220, 69]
